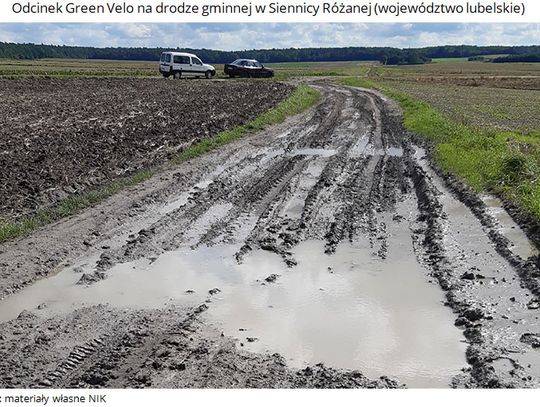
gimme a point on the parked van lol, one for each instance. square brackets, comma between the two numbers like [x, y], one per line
[182, 65]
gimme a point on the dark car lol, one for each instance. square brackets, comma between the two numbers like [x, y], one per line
[247, 68]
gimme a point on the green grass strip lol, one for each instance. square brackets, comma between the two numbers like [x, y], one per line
[300, 100]
[502, 162]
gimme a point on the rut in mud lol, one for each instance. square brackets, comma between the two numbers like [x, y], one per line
[326, 239]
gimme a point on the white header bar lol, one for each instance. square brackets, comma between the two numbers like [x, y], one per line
[268, 11]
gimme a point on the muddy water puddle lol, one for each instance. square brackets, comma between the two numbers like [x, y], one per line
[382, 318]
[321, 152]
[521, 245]
[349, 310]
[519, 242]
[496, 287]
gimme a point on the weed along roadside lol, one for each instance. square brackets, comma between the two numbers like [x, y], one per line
[506, 163]
[300, 99]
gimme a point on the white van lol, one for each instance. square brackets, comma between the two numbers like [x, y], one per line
[182, 64]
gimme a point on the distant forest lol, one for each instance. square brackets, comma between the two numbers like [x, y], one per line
[385, 55]
[519, 58]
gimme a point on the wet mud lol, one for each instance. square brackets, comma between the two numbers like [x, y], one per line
[323, 252]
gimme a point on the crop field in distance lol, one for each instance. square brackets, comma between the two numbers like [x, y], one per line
[13, 68]
[503, 109]
[501, 96]
[459, 69]
[301, 69]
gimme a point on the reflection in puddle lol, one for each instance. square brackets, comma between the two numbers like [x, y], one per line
[321, 152]
[520, 243]
[391, 151]
[394, 152]
[349, 310]
[378, 317]
[363, 148]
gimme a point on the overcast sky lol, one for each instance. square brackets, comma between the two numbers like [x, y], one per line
[248, 36]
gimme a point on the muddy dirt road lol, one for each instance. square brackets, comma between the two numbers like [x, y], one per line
[324, 252]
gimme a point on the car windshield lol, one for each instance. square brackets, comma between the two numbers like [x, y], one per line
[247, 63]
[253, 64]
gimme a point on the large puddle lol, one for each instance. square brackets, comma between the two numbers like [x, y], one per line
[349, 310]
[382, 318]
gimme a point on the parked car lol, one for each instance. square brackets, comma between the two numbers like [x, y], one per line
[247, 68]
[182, 64]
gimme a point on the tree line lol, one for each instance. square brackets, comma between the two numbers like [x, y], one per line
[385, 55]
[518, 58]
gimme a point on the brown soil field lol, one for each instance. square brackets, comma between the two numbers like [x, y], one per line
[502, 82]
[62, 137]
[467, 68]
[463, 73]
[482, 106]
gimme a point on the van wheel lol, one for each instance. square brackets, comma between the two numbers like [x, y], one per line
[208, 74]
[177, 75]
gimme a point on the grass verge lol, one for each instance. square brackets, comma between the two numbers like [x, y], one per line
[505, 163]
[301, 99]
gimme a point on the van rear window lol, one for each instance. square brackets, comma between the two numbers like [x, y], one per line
[179, 59]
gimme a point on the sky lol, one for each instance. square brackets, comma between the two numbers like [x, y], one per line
[251, 36]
